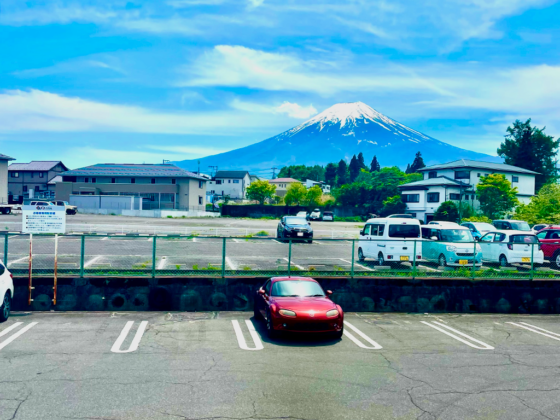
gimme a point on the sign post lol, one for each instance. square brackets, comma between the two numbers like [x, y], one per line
[43, 219]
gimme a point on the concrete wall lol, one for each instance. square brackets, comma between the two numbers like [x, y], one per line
[108, 202]
[152, 213]
[236, 294]
[3, 181]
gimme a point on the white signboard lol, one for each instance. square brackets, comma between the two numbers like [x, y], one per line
[43, 219]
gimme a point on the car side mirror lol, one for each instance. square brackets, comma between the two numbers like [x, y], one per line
[329, 292]
[361, 233]
[262, 292]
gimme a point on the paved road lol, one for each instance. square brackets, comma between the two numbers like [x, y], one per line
[193, 366]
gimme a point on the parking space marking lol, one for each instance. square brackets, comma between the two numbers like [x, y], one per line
[17, 261]
[92, 261]
[442, 328]
[105, 238]
[16, 335]
[135, 341]
[295, 265]
[278, 242]
[161, 263]
[357, 265]
[241, 340]
[351, 336]
[534, 329]
[231, 264]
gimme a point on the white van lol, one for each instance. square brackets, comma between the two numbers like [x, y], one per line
[390, 240]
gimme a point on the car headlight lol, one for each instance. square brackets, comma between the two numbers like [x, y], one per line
[286, 312]
[332, 313]
[451, 248]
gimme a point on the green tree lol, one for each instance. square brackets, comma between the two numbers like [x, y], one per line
[313, 196]
[374, 166]
[361, 161]
[496, 196]
[260, 191]
[302, 172]
[393, 205]
[295, 194]
[330, 174]
[342, 173]
[447, 212]
[354, 168]
[530, 148]
[352, 195]
[417, 164]
[543, 208]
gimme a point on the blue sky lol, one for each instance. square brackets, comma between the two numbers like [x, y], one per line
[141, 81]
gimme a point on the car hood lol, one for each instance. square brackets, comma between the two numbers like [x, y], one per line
[304, 303]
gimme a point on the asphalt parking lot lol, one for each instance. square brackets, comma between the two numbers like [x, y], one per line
[221, 365]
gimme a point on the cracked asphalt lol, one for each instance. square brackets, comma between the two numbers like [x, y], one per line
[191, 366]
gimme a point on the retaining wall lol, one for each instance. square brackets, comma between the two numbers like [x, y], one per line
[236, 294]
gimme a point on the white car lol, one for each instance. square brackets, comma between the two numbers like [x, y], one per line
[442, 223]
[6, 292]
[507, 247]
[315, 215]
[303, 214]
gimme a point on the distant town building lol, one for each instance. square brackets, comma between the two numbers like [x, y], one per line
[282, 185]
[33, 180]
[456, 181]
[4, 188]
[325, 187]
[160, 186]
[230, 183]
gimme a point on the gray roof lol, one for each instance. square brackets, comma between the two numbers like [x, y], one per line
[55, 179]
[440, 180]
[231, 174]
[133, 170]
[5, 157]
[467, 163]
[36, 165]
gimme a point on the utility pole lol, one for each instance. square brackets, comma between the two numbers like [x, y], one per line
[274, 173]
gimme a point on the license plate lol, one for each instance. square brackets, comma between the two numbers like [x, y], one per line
[300, 234]
[463, 262]
[404, 258]
[525, 259]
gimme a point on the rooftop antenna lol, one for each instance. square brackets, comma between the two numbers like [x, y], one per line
[198, 172]
[165, 161]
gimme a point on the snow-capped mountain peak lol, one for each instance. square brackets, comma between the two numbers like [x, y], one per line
[348, 113]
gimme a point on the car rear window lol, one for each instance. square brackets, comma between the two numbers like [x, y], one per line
[328, 213]
[524, 239]
[404, 231]
[520, 226]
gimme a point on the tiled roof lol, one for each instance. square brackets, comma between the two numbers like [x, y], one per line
[440, 180]
[55, 179]
[5, 157]
[36, 165]
[231, 174]
[467, 163]
[286, 180]
[133, 170]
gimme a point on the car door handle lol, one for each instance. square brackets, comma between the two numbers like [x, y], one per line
[381, 246]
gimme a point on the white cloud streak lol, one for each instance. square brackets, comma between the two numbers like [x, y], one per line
[292, 110]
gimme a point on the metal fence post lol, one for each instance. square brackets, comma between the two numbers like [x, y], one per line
[474, 261]
[414, 262]
[289, 257]
[154, 253]
[82, 252]
[6, 249]
[532, 262]
[353, 257]
[223, 257]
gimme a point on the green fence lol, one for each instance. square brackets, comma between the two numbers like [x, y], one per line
[182, 255]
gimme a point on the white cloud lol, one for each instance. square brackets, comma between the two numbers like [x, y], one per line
[179, 4]
[256, 3]
[192, 151]
[292, 110]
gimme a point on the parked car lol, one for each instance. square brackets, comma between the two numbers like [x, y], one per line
[328, 216]
[512, 225]
[390, 240]
[69, 209]
[550, 244]
[539, 227]
[450, 245]
[294, 227]
[303, 214]
[6, 292]
[400, 216]
[297, 304]
[443, 223]
[315, 215]
[507, 247]
[479, 228]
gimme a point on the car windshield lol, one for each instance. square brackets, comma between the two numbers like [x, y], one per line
[404, 231]
[327, 213]
[296, 288]
[456, 235]
[524, 226]
[298, 221]
[524, 239]
[484, 227]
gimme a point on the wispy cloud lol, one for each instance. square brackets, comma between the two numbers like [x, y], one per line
[74, 66]
[288, 108]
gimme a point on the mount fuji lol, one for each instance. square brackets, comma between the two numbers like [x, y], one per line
[338, 133]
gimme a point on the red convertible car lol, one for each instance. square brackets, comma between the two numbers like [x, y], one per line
[297, 304]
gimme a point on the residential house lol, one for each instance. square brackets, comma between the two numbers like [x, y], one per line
[325, 187]
[282, 185]
[31, 180]
[231, 183]
[456, 181]
[160, 186]
[4, 188]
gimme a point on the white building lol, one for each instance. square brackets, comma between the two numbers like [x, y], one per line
[309, 183]
[232, 183]
[456, 181]
[4, 177]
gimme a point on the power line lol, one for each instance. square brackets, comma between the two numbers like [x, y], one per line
[274, 173]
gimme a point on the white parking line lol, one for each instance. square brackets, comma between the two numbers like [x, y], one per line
[236, 241]
[162, 263]
[484, 345]
[231, 264]
[92, 261]
[241, 340]
[534, 329]
[135, 341]
[105, 238]
[278, 242]
[357, 265]
[295, 265]
[16, 261]
[16, 335]
[375, 345]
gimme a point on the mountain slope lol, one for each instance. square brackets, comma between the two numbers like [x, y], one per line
[339, 132]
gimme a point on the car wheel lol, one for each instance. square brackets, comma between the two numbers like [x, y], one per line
[557, 260]
[381, 259]
[503, 261]
[361, 256]
[272, 333]
[310, 241]
[5, 308]
[442, 261]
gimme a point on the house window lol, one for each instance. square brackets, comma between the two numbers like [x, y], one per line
[200, 200]
[93, 180]
[199, 184]
[432, 174]
[515, 179]
[467, 197]
[133, 180]
[236, 181]
[173, 181]
[462, 174]
[153, 180]
[411, 198]
[31, 173]
[14, 174]
[433, 197]
[218, 182]
[86, 180]
[25, 188]
[478, 175]
[454, 196]
[229, 181]
[113, 180]
[41, 174]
